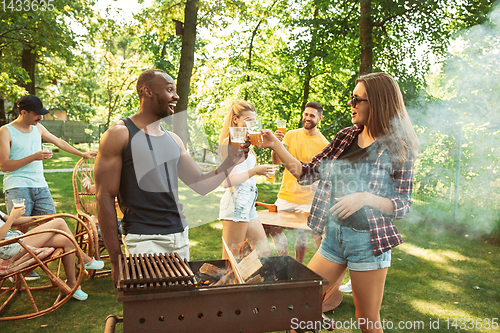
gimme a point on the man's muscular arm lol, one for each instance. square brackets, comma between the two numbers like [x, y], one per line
[107, 173]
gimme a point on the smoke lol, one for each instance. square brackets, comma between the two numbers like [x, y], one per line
[462, 123]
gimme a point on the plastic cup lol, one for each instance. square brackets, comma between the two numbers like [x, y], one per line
[47, 147]
[237, 135]
[270, 176]
[18, 203]
[254, 128]
[281, 124]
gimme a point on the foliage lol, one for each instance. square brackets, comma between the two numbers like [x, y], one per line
[45, 32]
[10, 75]
[119, 62]
[70, 86]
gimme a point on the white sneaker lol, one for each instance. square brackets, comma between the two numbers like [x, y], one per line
[31, 276]
[346, 288]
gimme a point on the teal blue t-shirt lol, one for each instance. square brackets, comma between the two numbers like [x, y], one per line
[23, 145]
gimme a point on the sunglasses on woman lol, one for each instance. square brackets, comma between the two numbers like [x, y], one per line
[355, 99]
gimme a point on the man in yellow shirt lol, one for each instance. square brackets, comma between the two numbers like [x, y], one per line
[303, 144]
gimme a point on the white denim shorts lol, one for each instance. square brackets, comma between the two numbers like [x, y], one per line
[238, 205]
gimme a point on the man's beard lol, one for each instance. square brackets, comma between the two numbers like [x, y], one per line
[163, 113]
[309, 125]
[163, 109]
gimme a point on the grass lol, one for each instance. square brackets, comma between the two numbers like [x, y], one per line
[436, 274]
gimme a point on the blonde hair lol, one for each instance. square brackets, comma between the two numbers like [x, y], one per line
[237, 109]
[388, 120]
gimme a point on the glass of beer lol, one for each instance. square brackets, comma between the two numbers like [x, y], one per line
[254, 127]
[237, 135]
[281, 124]
[47, 147]
[270, 176]
[18, 203]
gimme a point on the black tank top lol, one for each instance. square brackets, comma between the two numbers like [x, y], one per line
[148, 194]
[354, 168]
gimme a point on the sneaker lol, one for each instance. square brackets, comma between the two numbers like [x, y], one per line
[93, 264]
[346, 288]
[80, 294]
[31, 276]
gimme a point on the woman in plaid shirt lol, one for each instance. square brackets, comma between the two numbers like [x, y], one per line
[365, 179]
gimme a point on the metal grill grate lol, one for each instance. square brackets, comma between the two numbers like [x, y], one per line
[154, 271]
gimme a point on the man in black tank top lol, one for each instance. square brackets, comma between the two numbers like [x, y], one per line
[140, 162]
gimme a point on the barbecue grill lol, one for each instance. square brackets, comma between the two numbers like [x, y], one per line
[163, 293]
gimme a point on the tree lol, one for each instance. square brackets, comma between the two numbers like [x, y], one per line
[32, 37]
[391, 31]
[186, 68]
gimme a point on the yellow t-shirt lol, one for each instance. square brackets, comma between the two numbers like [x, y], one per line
[303, 147]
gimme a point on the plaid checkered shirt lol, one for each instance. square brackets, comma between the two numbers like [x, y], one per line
[387, 180]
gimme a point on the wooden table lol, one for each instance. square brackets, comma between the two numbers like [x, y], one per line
[286, 220]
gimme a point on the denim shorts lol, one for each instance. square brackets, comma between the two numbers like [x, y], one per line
[8, 251]
[345, 245]
[238, 205]
[37, 200]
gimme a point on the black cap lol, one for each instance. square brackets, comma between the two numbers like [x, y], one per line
[31, 103]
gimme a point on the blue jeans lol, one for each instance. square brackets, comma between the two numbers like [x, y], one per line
[37, 200]
[345, 245]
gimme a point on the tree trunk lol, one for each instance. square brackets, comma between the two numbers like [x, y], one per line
[28, 63]
[250, 48]
[312, 54]
[186, 69]
[3, 118]
[249, 62]
[366, 30]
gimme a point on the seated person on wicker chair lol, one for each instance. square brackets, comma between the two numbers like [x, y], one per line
[90, 188]
[12, 252]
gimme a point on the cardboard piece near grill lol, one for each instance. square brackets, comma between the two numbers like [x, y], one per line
[289, 291]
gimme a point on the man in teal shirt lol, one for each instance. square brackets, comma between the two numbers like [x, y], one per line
[21, 158]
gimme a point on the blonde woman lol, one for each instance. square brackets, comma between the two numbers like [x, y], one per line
[237, 207]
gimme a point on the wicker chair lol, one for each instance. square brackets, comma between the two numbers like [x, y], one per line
[20, 300]
[86, 207]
